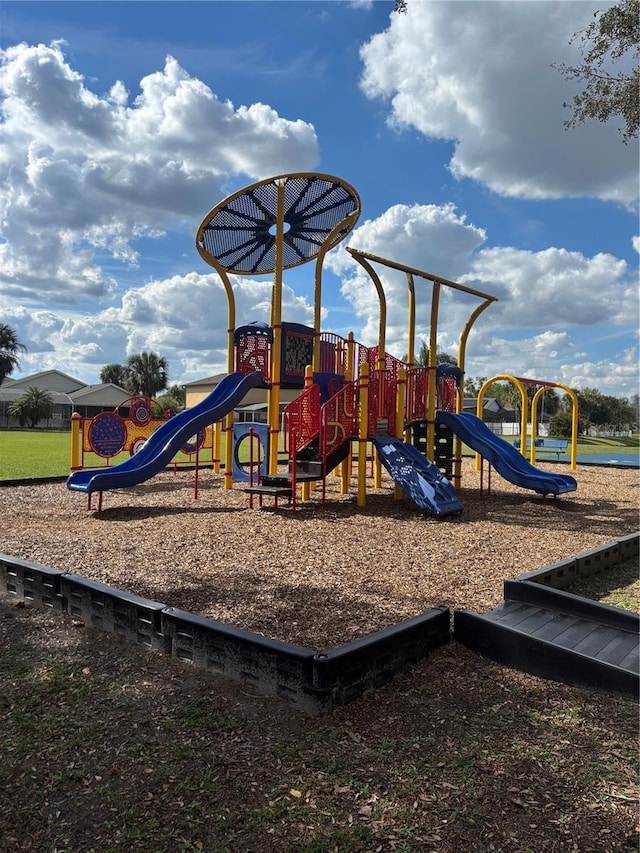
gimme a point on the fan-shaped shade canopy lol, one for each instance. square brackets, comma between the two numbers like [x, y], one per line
[239, 234]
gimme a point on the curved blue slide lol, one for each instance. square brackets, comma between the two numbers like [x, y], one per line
[160, 448]
[504, 457]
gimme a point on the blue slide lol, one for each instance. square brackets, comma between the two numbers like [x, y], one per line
[423, 481]
[504, 457]
[160, 448]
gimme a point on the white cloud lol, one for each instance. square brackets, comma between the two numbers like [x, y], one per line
[480, 73]
[85, 178]
[550, 303]
[555, 287]
[535, 358]
[82, 173]
[420, 235]
[553, 307]
[185, 318]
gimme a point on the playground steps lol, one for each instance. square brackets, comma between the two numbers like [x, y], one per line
[278, 485]
[309, 469]
[271, 490]
[382, 428]
[553, 634]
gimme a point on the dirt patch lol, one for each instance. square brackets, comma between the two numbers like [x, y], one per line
[107, 747]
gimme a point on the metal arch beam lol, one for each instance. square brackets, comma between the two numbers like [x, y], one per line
[574, 417]
[317, 296]
[421, 273]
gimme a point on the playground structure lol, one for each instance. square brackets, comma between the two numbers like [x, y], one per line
[183, 433]
[348, 392]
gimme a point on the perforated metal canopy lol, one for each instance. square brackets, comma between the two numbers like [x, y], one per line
[239, 234]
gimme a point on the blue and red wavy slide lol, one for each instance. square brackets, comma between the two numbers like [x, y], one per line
[160, 448]
[504, 457]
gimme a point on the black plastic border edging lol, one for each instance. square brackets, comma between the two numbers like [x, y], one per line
[541, 658]
[574, 605]
[545, 588]
[366, 664]
[313, 682]
[310, 681]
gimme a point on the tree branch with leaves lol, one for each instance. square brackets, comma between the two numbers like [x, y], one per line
[10, 347]
[613, 36]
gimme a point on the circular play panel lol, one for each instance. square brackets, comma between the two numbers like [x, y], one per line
[107, 434]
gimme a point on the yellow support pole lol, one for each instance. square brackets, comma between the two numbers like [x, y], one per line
[217, 431]
[273, 400]
[462, 352]
[411, 340]
[345, 465]
[76, 442]
[364, 259]
[351, 368]
[227, 422]
[534, 422]
[363, 433]
[574, 421]
[574, 424]
[400, 398]
[345, 468]
[431, 392]
[329, 242]
[229, 418]
[382, 327]
[523, 417]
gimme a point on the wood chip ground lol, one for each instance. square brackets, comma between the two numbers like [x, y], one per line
[319, 577]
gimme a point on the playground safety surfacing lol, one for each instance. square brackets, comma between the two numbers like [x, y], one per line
[540, 629]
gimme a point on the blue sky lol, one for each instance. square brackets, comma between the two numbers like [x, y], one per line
[124, 123]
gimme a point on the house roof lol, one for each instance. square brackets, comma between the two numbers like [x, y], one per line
[207, 381]
[49, 380]
[65, 389]
[58, 398]
[105, 394]
[488, 404]
[252, 407]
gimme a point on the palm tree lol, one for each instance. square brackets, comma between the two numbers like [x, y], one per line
[146, 374]
[114, 373]
[442, 357]
[10, 346]
[34, 405]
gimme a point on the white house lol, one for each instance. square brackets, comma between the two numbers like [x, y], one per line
[69, 395]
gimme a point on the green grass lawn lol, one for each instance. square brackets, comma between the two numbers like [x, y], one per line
[26, 454]
[34, 453]
[587, 446]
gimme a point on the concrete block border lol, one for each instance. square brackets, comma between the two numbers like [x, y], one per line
[315, 682]
[308, 680]
[560, 575]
